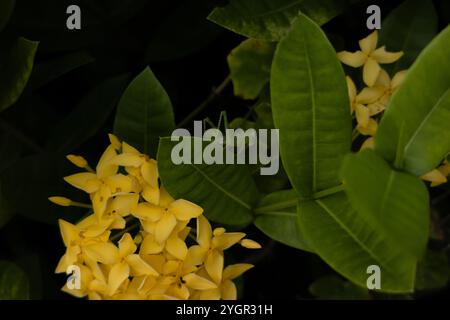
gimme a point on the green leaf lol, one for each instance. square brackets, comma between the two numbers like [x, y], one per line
[15, 71]
[271, 20]
[250, 64]
[227, 193]
[6, 211]
[396, 203]
[29, 182]
[350, 244]
[414, 129]
[276, 216]
[144, 113]
[88, 116]
[409, 28]
[310, 107]
[432, 271]
[6, 9]
[335, 288]
[13, 282]
[51, 70]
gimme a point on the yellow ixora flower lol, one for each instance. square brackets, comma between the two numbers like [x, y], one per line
[370, 57]
[160, 262]
[438, 176]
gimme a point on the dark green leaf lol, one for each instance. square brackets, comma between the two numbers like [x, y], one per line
[271, 20]
[13, 282]
[6, 8]
[334, 288]
[144, 114]
[85, 120]
[409, 28]
[395, 203]
[350, 244]
[432, 271]
[276, 216]
[227, 193]
[414, 130]
[15, 71]
[250, 64]
[310, 107]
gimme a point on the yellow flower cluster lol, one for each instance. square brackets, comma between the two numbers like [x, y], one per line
[373, 99]
[155, 263]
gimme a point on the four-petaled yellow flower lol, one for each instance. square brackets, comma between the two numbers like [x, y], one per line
[370, 57]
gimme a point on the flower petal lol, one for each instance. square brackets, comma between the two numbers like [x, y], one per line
[126, 245]
[139, 267]
[123, 204]
[212, 294]
[164, 227]
[370, 129]
[165, 199]
[214, 265]
[204, 232]
[86, 181]
[370, 72]
[150, 246]
[150, 194]
[235, 270]
[362, 115]
[382, 56]
[370, 95]
[104, 167]
[229, 291]
[176, 247]
[148, 212]
[185, 210]
[352, 59]
[198, 283]
[398, 79]
[119, 183]
[149, 171]
[369, 43]
[105, 253]
[227, 240]
[368, 144]
[250, 244]
[69, 232]
[118, 274]
[128, 160]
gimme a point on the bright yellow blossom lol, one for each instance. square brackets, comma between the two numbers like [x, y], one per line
[370, 57]
[157, 261]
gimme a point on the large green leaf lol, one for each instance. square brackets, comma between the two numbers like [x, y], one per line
[144, 113]
[13, 282]
[409, 28]
[88, 116]
[271, 20]
[414, 130]
[350, 244]
[6, 8]
[250, 64]
[276, 216]
[310, 107]
[227, 193]
[15, 71]
[394, 202]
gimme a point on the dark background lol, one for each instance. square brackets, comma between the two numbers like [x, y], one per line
[188, 55]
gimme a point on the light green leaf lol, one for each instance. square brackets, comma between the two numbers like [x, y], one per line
[250, 64]
[350, 244]
[276, 216]
[409, 28]
[433, 271]
[310, 107]
[6, 9]
[15, 71]
[227, 193]
[13, 282]
[394, 202]
[271, 20]
[334, 288]
[414, 129]
[88, 116]
[144, 114]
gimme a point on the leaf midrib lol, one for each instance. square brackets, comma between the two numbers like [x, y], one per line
[227, 193]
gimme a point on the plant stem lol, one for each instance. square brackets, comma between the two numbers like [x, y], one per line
[20, 136]
[214, 94]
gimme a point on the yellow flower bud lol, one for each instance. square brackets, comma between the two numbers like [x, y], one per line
[61, 201]
[250, 244]
[79, 161]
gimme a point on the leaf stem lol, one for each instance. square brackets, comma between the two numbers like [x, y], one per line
[214, 94]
